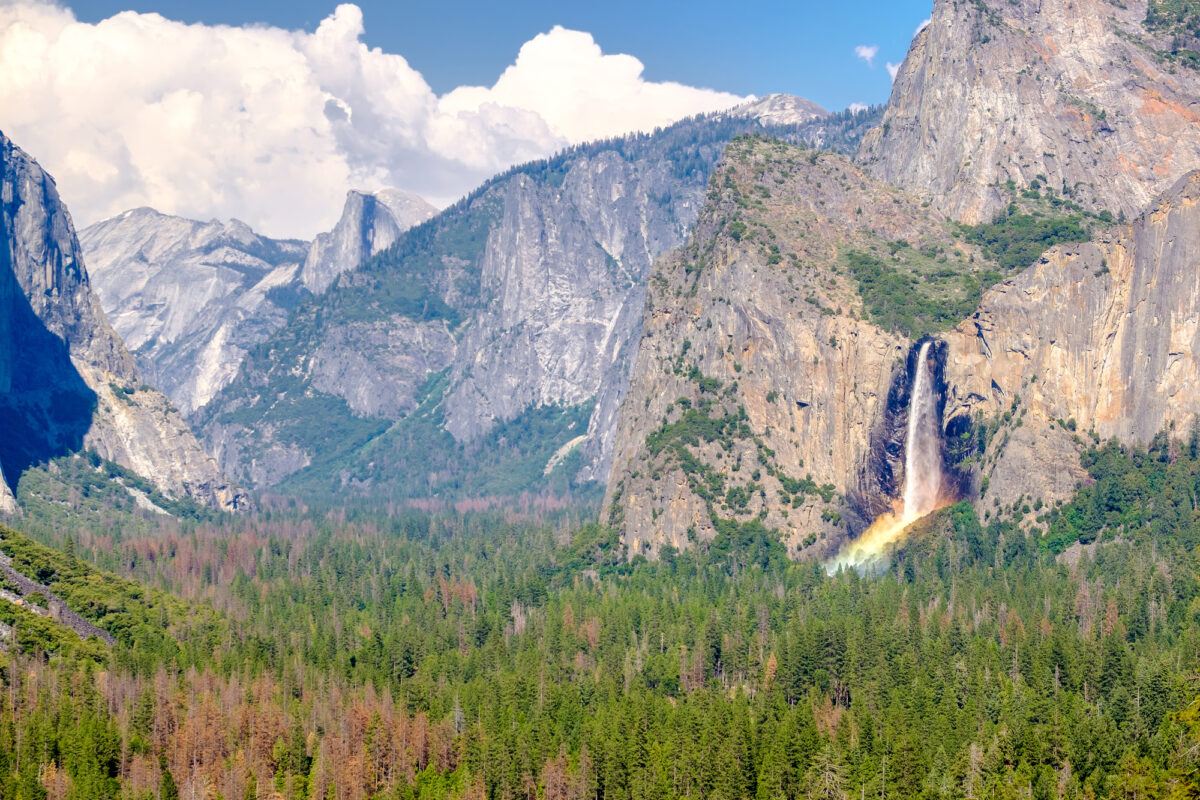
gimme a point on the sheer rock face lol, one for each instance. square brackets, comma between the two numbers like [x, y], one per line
[1093, 339]
[369, 223]
[1077, 91]
[546, 313]
[565, 271]
[66, 380]
[377, 367]
[1104, 334]
[731, 327]
[188, 298]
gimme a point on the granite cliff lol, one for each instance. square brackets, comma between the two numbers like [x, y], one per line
[762, 374]
[1094, 341]
[1098, 102]
[188, 297]
[369, 223]
[67, 383]
[1016, 135]
[1091, 97]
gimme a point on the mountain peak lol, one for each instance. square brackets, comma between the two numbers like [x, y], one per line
[408, 207]
[370, 222]
[175, 289]
[780, 109]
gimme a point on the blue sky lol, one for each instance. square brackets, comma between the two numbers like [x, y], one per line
[804, 48]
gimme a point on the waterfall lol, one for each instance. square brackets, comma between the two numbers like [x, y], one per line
[923, 492]
[922, 445]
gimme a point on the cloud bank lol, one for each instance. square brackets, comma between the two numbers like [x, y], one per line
[273, 126]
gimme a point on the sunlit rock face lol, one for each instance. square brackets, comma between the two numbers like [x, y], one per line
[1104, 336]
[67, 382]
[1095, 341]
[188, 298]
[776, 345]
[523, 298]
[369, 223]
[995, 96]
[1092, 341]
[1076, 92]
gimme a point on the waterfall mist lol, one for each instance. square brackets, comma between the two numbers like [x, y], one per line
[923, 481]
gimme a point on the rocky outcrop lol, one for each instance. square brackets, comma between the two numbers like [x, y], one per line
[66, 381]
[1076, 93]
[369, 223]
[8, 501]
[377, 367]
[1096, 338]
[759, 385]
[189, 298]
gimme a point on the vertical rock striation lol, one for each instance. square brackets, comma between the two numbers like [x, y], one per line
[1078, 92]
[1102, 337]
[369, 223]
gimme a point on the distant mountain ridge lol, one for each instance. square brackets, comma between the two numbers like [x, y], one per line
[505, 324]
[780, 109]
[191, 298]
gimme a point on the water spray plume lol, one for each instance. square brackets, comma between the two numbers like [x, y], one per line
[923, 491]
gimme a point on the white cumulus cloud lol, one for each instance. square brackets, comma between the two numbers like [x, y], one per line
[856, 108]
[867, 53]
[893, 69]
[273, 126]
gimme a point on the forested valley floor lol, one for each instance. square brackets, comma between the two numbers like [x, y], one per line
[414, 655]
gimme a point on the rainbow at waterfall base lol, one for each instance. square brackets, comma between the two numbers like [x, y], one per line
[924, 490]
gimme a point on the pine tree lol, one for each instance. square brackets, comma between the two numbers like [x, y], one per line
[167, 790]
[1134, 779]
[826, 777]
